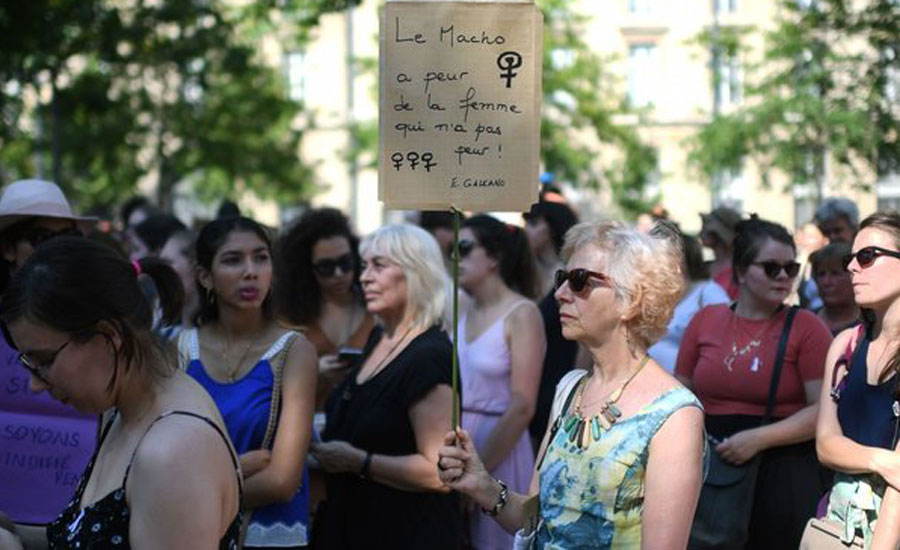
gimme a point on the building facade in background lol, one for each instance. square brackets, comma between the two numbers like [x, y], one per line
[674, 85]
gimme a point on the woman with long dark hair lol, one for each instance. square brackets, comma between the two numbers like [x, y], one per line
[856, 434]
[261, 376]
[318, 292]
[501, 352]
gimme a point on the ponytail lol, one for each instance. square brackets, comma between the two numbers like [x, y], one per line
[159, 281]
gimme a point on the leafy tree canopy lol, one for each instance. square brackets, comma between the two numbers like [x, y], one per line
[97, 94]
[826, 86]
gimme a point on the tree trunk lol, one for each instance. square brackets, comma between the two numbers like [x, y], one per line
[55, 145]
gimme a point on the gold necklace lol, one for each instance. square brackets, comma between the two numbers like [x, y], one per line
[579, 435]
[755, 342]
[232, 373]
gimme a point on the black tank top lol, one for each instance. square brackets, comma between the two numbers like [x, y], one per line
[104, 524]
[865, 411]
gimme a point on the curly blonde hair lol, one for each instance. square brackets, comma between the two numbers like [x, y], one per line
[645, 269]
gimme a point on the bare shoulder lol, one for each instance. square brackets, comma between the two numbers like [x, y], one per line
[179, 456]
[657, 381]
[177, 441]
[844, 338]
[300, 348]
[524, 313]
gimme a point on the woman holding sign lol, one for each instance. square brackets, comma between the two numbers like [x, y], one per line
[164, 474]
[605, 479]
[387, 419]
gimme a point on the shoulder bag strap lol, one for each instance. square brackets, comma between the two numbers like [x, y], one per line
[779, 361]
[558, 421]
[845, 360]
[277, 364]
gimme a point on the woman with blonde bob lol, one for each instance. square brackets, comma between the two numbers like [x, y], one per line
[386, 420]
[604, 478]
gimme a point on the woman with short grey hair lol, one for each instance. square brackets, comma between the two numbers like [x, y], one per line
[605, 478]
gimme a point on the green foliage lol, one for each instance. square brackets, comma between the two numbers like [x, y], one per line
[580, 99]
[171, 90]
[820, 89]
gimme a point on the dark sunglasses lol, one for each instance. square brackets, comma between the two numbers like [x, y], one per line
[466, 247]
[773, 268]
[577, 278]
[37, 368]
[38, 235]
[327, 267]
[867, 256]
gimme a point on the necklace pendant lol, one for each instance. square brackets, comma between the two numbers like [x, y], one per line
[579, 438]
[573, 433]
[570, 423]
[754, 367]
[595, 427]
[729, 361]
[613, 409]
[609, 417]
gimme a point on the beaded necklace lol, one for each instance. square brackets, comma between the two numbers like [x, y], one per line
[576, 427]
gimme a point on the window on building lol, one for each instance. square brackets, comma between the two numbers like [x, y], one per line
[804, 204]
[727, 80]
[643, 73]
[642, 7]
[729, 188]
[296, 75]
[888, 189]
[725, 6]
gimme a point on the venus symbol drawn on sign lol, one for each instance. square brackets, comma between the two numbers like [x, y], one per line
[507, 61]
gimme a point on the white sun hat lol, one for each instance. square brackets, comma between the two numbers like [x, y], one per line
[25, 199]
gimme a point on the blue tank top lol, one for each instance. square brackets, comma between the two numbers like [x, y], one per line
[244, 405]
[866, 411]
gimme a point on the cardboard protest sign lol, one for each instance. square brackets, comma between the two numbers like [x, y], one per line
[44, 446]
[460, 105]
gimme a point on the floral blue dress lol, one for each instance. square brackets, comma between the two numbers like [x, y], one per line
[594, 497]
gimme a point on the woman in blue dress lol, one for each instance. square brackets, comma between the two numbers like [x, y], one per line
[245, 360]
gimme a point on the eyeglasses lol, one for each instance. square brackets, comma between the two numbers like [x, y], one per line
[865, 257]
[37, 367]
[577, 278]
[38, 235]
[466, 247]
[327, 267]
[773, 268]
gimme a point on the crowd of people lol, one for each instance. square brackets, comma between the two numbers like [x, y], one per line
[621, 386]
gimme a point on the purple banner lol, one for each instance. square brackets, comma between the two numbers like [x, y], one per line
[44, 446]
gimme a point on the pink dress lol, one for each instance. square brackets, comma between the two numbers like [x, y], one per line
[485, 376]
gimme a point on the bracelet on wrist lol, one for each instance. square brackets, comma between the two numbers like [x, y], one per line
[366, 465]
[501, 500]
